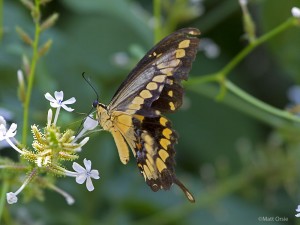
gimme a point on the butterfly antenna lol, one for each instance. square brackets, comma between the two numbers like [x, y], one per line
[89, 83]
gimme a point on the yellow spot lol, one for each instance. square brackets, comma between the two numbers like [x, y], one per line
[139, 117]
[138, 100]
[184, 44]
[145, 94]
[170, 93]
[154, 54]
[160, 165]
[172, 107]
[134, 106]
[180, 53]
[164, 143]
[147, 172]
[159, 78]
[152, 86]
[163, 154]
[167, 71]
[159, 55]
[157, 112]
[194, 32]
[167, 132]
[163, 121]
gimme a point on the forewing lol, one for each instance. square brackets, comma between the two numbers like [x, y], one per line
[153, 78]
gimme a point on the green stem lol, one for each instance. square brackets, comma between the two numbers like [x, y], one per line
[5, 187]
[220, 77]
[31, 76]
[282, 27]
[259, 104]
[157, 21]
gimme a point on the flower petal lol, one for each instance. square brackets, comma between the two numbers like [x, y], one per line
[59, 95]
[69, 109]
[69, 101]
[84, 141]
[2, 121]
[89, 184]
[87, 164]
[89, 123]
[12, 131]
[54, 104]
[49, 97]
[298, 208]
[78, 168]
[2, 129]
[80, 178]
[297, 215]
[94, 174]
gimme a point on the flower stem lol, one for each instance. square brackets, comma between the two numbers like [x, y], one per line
[259, 104]
[5, 186]
[279, 29]
[56, 115]
[31, 76]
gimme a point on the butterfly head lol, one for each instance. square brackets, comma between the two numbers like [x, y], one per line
[95, 103]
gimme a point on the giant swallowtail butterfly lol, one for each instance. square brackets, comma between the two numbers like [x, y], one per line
[135, 114]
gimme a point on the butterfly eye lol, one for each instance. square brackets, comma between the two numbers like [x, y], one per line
[95, 103]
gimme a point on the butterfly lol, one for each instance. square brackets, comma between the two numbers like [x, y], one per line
[135, 117]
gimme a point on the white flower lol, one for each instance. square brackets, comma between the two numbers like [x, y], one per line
[298, 210]
[295, 12]
[58, 102]
[11, 198]
[85, 174]
[89, 124]
[6, 134]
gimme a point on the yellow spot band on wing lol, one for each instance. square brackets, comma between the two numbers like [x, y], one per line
[184, 44]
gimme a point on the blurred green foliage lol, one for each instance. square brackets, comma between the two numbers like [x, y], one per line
[239, 168]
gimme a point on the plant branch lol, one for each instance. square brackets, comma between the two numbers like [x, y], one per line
[35, 56]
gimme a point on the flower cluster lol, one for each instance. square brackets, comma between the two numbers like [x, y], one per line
[51, 148]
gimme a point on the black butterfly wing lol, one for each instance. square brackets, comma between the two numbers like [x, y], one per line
[157, 76]
[152, 88]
